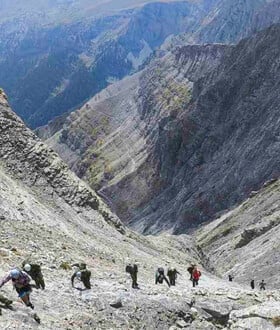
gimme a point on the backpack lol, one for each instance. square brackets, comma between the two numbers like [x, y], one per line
[129, 269]
[23, 279]
[196, 274]
[161, 271]
[190, 269]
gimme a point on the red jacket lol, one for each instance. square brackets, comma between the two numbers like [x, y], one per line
[196, 274]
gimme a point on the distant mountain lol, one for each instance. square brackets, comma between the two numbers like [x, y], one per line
[189, 137]
[54, 12]
[233, 20]
[49, 70]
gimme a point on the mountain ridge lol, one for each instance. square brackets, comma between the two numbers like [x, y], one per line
[167, 125]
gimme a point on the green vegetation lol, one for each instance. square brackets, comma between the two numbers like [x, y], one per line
[176, 96]
[65, 266]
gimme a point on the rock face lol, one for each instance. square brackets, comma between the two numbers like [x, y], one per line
[37, 166]
[225, 144]
[51, 217]
[50, 70]
[233, 20]
[97, 140]
[243, 242]
[197, 132]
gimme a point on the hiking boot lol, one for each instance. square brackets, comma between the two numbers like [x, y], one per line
[30, 305]
[37, 318]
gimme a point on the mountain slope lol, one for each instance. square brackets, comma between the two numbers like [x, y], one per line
[48, 215]
[233, 20]
[203, 137]
[248, 233]
[54, 48]
[53, 12]
[227, 138]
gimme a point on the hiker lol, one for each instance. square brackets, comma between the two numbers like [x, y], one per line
[252, 284]
[160, 276]
[21, 282]
[190, 270]
[172, 275]
[230, 278]
[195, 276]
[133, 270]
[82, 274]
[35, 272]
[262, 285]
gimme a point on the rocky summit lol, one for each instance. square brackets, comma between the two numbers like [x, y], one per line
[50, 216]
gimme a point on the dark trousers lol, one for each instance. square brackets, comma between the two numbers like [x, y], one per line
[86, 283]
[134, 280]
[194, 282]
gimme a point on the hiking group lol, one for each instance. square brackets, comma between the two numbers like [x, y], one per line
[21, 278]
[160, 277]
[262, 284]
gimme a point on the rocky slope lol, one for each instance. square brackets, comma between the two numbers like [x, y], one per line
[48, 70]
[97, 140]
[232, 20]
[49, 215]
[244, 242]
[204, 133]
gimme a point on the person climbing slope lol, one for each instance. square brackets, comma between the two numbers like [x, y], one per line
[21, 282]
[262, 285]
[133, 271]
[252, 283]
[82, 274]
[230, 278]
[195, 276]
[172, 275]
[160, 276]
[190, 270]
[35, 272]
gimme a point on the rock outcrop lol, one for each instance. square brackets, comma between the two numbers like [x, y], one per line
[27, 159]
